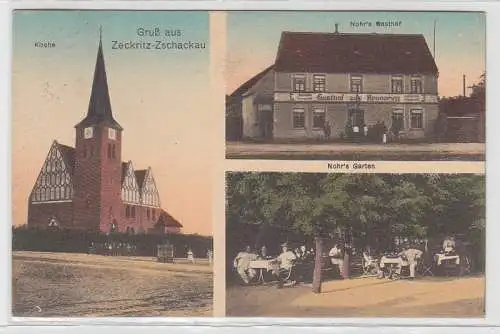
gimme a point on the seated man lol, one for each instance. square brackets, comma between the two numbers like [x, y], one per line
[337, 258]
[242, 264]
[411, 256]
[286, 261]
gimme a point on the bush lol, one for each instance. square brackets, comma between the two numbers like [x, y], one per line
[73, 241]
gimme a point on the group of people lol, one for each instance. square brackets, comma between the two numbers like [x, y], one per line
[292, 263]
[281, 267]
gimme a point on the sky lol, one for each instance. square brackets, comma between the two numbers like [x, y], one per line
[160, 98]
[253, 39]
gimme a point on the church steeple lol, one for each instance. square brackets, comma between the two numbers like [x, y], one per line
[99, 111]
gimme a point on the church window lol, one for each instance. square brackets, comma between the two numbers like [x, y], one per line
[127, 211]
[52, 194]
[133, 211]
[148, 213]
[58, 179]
[52, 179]
[63, 192]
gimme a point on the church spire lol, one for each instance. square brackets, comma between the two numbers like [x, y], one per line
[99, 111]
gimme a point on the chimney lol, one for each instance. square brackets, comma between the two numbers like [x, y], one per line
[336, 28]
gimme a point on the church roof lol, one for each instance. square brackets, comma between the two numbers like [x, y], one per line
[99, 111]
[68, 154]
[140, 175]
[167, 220]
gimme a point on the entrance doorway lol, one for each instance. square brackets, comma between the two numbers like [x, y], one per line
[266, 121]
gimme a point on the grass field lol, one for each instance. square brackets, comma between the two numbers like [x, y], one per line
[363, 297]
[356, 152]
[81, 285]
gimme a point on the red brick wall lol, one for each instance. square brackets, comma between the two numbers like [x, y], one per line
[110, 176]
[39, 215]
[140, 222]
[86, 182]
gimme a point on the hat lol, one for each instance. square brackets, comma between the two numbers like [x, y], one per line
[285, 244]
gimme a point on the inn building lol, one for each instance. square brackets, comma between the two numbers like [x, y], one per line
[347, 81]
[88, 186]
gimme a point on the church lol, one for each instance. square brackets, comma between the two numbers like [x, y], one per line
[89, 187]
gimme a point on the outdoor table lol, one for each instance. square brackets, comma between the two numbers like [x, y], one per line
[440, 257]
[391, 261]
[261, 265]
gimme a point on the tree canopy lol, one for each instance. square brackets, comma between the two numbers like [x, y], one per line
[374, 206]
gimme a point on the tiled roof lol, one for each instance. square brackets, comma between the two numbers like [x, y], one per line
[168, 220]
[354, 53]
[140, 176]
[251, 82]
[68, 154]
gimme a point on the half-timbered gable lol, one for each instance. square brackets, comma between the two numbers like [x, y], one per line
[54, 182]
[149, 192]
[130, 188]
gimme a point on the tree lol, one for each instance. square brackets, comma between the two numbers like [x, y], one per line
[376, 207]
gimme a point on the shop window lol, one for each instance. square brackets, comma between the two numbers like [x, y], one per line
[417, 119]
[416, 86]
[319, 118]
[357, 117]
[299, 119]
[299, 83]
[397, 85]
[356, 84]
[397, 123]
[319, 83]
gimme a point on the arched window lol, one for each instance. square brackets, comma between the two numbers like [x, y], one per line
[133, 211]
[127, 211]
[63, 192]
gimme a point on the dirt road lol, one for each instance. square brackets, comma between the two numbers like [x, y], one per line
[81, 285]
[346, 151]
[363, 297]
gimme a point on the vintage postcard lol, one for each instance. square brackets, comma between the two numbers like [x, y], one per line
[355, 245]
[104, 175]
[356, 85]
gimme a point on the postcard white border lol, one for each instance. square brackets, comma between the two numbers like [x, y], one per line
[297, 324]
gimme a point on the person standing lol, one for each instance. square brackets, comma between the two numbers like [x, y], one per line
[190, 256]
[337, 258]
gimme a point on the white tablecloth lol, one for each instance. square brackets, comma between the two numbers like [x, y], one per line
[264, 264]
[392, 260]
[443, 257]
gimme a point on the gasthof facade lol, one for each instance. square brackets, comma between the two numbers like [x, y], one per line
[344, 82]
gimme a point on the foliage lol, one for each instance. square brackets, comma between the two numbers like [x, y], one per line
[72, 241]
[376, 207]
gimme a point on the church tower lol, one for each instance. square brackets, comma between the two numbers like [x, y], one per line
[97, 178]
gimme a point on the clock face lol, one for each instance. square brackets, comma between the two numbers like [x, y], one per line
[88, 133]
[112, 134]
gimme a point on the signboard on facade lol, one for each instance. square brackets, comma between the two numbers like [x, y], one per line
[350, 98]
